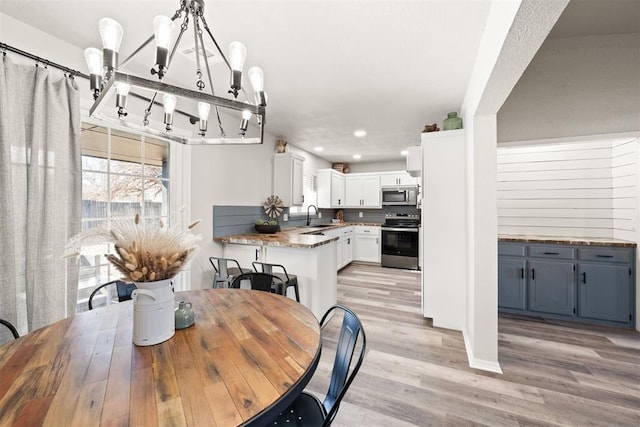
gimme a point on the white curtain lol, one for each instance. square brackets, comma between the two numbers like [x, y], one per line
[40, 194]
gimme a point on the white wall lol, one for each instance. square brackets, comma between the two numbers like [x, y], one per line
[394, 165]
[624, 165]
[576, 86]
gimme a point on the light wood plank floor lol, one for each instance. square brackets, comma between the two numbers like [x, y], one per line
[555, 373]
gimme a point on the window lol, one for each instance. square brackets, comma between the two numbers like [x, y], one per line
[122, 174]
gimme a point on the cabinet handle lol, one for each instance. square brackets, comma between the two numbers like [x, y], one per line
[552, 253]
[257, 254]
[522, 273]
[376, 240]
[584, 278]
[533, 274]
[604, 256]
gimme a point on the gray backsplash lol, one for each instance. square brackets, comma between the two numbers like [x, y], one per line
[228, 220]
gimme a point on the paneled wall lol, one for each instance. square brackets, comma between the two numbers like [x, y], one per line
[577, 189]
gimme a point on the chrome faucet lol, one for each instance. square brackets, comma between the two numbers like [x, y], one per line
[309, 219]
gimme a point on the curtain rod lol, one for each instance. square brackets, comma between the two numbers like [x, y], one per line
[7, 48]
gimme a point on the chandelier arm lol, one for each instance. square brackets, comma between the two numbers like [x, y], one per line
[213, 39]
[206, 63]
[147, 111]
[183, 28]
[199, 83]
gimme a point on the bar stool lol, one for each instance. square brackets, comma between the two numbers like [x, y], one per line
[225, 274]
[287, 279]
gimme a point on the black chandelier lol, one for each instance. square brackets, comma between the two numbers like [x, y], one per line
[108, 77]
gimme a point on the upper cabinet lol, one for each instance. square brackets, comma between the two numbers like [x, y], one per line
[362, 191]
[390, 179]
[330, 189]
[288, 178]
[414, 161]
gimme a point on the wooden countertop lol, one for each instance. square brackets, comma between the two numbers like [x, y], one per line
[587, 241]
[247, 357]
[294, 237]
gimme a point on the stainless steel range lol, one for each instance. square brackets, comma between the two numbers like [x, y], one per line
[401, 241]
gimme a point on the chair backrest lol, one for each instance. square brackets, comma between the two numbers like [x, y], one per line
[123, 291]
[265, 267]
[341, 379]
[11, 328]
[221, 265]
[259, 281]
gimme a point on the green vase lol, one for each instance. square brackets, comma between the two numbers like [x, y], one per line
[452, 122]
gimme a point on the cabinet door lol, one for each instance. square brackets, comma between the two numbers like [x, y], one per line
[353, 191]
[297, 197]
[348, 250]
[511, 283]
[367, 248]
[604, 292]
[337, 191]
[551, 287]
[244, 254]
[371, 192]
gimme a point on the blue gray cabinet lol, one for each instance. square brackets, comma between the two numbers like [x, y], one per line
[550, 287]
[575, 282]
[512, 267]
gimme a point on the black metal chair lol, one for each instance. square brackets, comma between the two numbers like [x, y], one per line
[308, 410]
[259, 281]
[287, 279]
[123, 291]
[11, 328]
[224, 274]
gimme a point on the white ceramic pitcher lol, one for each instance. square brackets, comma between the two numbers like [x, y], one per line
[153, 315]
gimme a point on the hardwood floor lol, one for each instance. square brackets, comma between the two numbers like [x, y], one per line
[555, 373]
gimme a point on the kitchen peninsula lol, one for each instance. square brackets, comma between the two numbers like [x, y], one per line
[312, 257]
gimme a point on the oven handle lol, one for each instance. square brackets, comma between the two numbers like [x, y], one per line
[408, 230]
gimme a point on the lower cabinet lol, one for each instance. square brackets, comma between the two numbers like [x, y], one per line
[551, 286]
[584, 283]
[511, 283]
[367, 243]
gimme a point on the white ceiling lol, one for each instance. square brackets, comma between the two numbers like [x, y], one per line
[331, 67]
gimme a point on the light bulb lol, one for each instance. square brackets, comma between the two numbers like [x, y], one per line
[237, 55]
[111, 34]
[256, 76]
[122, 89]
[163, 30]
[169, 102]
[203, 113]
[244, 124]
[203, 110]
[93, 57]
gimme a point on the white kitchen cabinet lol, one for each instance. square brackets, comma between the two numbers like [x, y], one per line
[414, 161]
[345, 245]
[330, 188]
[400, 178]
[367, 243]
[362, 191]
[244, 254]
[288, 178]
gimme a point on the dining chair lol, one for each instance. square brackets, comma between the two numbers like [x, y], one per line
[259, 281]
[224, 273]
[287, 279]
[123, 291]
[307, 409]
[11, 328]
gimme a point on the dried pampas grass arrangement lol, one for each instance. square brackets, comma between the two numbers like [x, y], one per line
[145, 252]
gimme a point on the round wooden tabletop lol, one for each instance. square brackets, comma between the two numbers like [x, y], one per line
[249, 354]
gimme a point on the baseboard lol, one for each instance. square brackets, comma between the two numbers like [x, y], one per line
[484, 365]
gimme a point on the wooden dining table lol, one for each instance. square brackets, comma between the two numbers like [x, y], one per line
[246, 358]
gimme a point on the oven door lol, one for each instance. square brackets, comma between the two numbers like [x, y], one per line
[400, 247]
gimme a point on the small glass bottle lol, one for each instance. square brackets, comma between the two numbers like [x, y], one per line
[452, 122]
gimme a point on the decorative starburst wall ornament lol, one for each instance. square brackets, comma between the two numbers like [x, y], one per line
[273, 207]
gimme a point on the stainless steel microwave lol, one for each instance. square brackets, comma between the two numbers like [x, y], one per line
[407, 196]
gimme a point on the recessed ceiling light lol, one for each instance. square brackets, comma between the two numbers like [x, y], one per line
[404, 152]
[360, 133]
[318, 149]
[357, 156]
